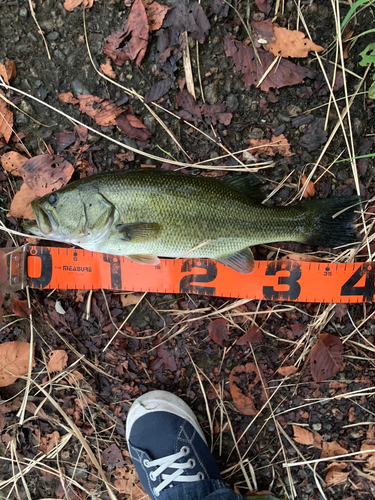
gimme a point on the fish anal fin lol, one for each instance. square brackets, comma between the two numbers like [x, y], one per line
[145, 259]
[242, 261]
[138, 231]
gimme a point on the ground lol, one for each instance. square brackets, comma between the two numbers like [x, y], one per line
[71, 441]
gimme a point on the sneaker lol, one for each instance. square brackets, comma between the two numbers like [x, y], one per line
[167, 444]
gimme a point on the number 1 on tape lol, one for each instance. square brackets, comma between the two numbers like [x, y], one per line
[68, 268]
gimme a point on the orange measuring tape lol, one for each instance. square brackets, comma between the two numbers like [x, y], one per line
[70, 268]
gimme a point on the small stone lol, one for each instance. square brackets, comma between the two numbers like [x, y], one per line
[255, 133]
[23, 12]
[211, 93]
[232, 102]
[54, 35]
[317, 427]
[293, 110]
[78, 88]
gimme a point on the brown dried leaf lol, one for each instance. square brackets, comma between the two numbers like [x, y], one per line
[155, 14]
[253, 336]
[69, 98]
[11, 160]
[137, 28]
[158, 90]
[129, 299]
[47, 442]
[301, 256]
[291, 43]
[246, 388]
[58, 360]
[270, 147]
[332, 449]
[6, 119]
[72, 4]
[127, 482]
[335, 474]
[213, 114]
[286, 371]
[7, 70]
[107, 69]
[46, 173]
[20, 308]
[309, 190]
[218, 331]
[103, 112]
[14, 361]
[326, 357]
[303, 436]
[21, 204]
[283, 74]
[112, 456]
[167, 356]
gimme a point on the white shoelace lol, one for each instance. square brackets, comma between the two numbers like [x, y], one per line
[170, 462]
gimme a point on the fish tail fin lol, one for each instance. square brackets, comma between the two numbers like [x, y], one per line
[330, 222]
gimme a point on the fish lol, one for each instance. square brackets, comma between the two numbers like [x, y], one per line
[148, 213]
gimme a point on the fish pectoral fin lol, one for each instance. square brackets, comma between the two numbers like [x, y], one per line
[138, 231]
[242, 261]
[145, 259]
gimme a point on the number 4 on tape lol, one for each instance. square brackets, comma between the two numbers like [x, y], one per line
[284, 280]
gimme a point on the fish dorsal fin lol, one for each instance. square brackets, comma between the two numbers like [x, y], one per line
[145, 259]
[138, 231]
[242, 261]
[249, 185]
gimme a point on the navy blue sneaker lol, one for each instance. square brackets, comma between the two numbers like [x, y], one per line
[167, 444]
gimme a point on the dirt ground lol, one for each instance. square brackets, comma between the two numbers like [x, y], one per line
[71, 443]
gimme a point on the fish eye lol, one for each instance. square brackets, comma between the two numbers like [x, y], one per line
[52, 199]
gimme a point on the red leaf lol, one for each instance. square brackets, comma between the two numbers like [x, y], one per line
[218, 331]
[253, 336]
[167, 356]
[20, 308]
[137, 28]
[264, 5]
[132, 126]
[326, 357]
[283, 74]
[103, 112]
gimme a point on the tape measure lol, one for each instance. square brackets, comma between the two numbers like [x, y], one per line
[281, 280]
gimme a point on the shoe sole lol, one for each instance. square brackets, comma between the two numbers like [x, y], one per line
[161, 401]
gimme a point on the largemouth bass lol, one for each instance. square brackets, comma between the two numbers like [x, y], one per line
[148, 213]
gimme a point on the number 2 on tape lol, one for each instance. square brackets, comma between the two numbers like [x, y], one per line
[186, 283]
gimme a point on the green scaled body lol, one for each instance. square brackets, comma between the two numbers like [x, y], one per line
[149, 213]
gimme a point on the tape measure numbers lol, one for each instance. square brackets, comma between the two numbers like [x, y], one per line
[69, 268]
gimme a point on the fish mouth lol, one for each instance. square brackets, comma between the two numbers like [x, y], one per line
[43, 225]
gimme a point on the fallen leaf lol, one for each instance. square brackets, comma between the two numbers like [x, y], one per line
[286, 371]
[291, 43]
[271, 146]
[314, 135]
[47, 442]
[58, 360]
[7, 71]
[103, 112]
[127, 482]
[221, 8]
[132, 126]
[21, 204]
[11, 160]
[282, 74]
[136, 27]
[158, 90]
[332, 449]
[192, 112]
[130, 299]
[112, 456]
[264, 5]
[155, 14]
[189, 17]
[20, 308]
[303, 436]
[107, 69]
[246, 384]
[308, 187]
[326, 357]
[69, 98]
[72, 4]
[6, 119]
[46, 173]
[14, 361]
[218, 331]
[253, 336]
[335, 474]
[167, 356]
